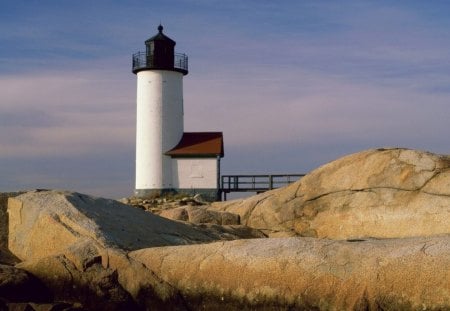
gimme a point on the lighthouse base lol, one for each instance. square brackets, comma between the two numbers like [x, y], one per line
[207, 194]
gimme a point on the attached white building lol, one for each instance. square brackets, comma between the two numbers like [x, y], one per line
[167, 159]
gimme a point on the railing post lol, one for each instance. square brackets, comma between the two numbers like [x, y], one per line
[270, 182]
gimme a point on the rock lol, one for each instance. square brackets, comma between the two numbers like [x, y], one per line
[199, 199]
[231, 232]
[228, 218]
[102, 279]
[5, 255]
[99, 254]
[383, 193]
[6, 258]
[201, 215]
[17, 285]
[178, 213]
[271, 274]
[148, 290]
[57, 306]
[192, 201]
[308, 273]
[168, 202]
[76, 245]
[47, 222]
[92, 285]
[204, 215]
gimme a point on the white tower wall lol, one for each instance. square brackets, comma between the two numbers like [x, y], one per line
[159, 126]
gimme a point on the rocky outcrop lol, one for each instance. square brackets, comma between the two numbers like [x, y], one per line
[103, 279]
[77, 246]
[271, 274]
[89, 253]
[20, 290]
[43, 223]
[381, 193]
[307, 274]
[18, 285]
[77, 275]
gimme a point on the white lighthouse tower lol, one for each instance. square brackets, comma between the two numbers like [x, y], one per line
[159, 124]
[167, 159]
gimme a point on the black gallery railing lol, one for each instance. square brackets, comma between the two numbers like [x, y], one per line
[256, 183]
[143, 61]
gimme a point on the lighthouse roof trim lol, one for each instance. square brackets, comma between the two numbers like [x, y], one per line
[160, 36]
[199, 144]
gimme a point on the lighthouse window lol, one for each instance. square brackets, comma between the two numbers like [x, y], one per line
[151, 48]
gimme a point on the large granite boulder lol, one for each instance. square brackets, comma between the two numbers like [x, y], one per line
[300, 273]
[103, 279]
[98, 254]
[381, 193]
[295, 273]
[44, 223]
[76, 246]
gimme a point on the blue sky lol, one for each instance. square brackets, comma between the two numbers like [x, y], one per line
[292, 84]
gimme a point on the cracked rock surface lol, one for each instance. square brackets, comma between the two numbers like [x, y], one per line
[369, 231]
[308, 274]
[381, 193]
[77, 247]
[43, 223]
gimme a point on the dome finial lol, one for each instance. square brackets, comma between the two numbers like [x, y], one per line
[160, 28]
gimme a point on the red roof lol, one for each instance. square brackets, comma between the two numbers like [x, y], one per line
[199, 144]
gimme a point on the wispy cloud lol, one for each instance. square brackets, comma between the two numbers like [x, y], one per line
[303, 82]
[65, 114]
[314, 107]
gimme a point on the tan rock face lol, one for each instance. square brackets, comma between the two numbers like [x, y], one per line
[18, 285]
[5, 255]
[381, 193]
[200, 215]
[105, 255]
[46, 223]
[308, 274]
[96, 287]
[271, 274]
[77, 246]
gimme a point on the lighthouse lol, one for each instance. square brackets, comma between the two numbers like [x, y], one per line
[167, 158]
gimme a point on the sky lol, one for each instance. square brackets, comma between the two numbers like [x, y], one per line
[291, 84]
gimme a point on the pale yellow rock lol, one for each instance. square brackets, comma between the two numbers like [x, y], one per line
[307, 273]
[96, 287]
[102, 252]
[200, 215]
[382, 193]
[44, 223]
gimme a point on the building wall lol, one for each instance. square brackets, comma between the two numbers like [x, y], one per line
[159, 126]
[194, 173]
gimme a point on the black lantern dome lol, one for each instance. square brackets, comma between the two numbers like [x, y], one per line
[160, 55]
